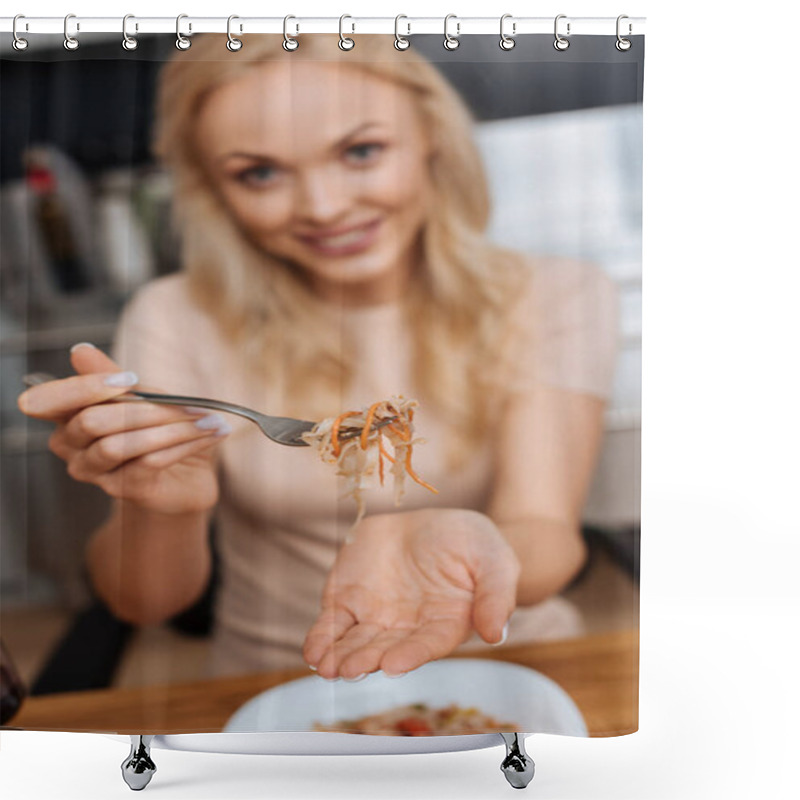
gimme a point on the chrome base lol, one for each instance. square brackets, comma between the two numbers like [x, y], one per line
[138, 768]
[517, 766]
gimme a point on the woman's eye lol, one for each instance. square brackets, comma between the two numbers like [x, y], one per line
[258, 176]
[363, 153]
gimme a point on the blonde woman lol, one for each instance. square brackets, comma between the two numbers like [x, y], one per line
[333, 209]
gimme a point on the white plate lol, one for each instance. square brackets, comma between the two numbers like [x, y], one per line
[281, 720]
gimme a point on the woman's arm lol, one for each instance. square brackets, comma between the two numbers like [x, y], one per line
[148, 566]
[548, 445]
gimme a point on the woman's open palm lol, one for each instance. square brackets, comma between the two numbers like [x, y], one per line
[408, 589]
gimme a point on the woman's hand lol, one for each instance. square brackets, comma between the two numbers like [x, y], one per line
[159, 457]
[409, 588]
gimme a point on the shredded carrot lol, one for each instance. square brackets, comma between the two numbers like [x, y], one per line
[380, 462]
[403, 433]
[383, 450]
[368, 425]
[414, 475]
[335, 430]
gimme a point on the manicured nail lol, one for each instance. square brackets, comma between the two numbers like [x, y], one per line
[393, 675]
[312, 667]
[82, 344]
[357, 678]
[503, 636]
[214, 422]
[120, 379]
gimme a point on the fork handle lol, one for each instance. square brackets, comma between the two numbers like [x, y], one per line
[37, 378]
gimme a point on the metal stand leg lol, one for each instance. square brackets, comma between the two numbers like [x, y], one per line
[517, 766]
[138, 768]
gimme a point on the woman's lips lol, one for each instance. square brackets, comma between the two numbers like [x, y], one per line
[343, 243]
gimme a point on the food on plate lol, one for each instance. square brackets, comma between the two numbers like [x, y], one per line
[419, 719]
[355, 441]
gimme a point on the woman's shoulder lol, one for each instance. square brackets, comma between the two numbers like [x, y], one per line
[566, 324]
[168, 291]
[168, 301]
[555, 280]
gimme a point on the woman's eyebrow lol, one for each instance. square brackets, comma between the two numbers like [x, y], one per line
[339, 143]
[250, 157]
[355, 132]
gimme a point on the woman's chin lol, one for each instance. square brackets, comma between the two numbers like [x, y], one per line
[360, 278]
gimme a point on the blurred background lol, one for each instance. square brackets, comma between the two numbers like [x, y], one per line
[84, 221]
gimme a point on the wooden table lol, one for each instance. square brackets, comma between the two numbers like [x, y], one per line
[599, 672]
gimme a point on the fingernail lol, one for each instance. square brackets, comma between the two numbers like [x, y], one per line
[357, 678]
[81, 344]
[312, 667]
[214, 422]
[503, 636]
[393, 675]
[122, 379]
[331, 680]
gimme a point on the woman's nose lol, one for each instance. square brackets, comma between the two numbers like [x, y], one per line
[322, 197]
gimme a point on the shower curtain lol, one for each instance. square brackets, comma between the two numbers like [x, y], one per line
[434, 253]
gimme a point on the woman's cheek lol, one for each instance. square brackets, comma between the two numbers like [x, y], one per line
[261, 214]
[397, 187]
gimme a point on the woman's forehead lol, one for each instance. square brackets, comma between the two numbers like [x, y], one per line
[319, 100]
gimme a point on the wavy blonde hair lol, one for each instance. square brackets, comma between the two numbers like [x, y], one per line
[461, 291]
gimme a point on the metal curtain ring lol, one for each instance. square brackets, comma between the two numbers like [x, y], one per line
[623, 44]
[451, 42]
[181, 41]
[233, 44]
[345, 43]
[400, 42]
[70, 42]
[290, 43]
[128, 42]
[506, 41]
[18, 43]
[561, 43]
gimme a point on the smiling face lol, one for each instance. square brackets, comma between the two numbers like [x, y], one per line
[326, 167]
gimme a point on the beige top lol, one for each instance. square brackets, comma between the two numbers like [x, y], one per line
[280, 517]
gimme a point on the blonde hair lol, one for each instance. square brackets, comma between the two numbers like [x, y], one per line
[461, 293]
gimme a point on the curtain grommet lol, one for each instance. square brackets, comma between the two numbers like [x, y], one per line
[70, 42]
[401, 42]
[345, 42]
[561, 43]
[128, 42]
[622, 44]
[290, 43]
[233, 44]
[507, 41]
[18, 43]
[182, 42]
[451, 42]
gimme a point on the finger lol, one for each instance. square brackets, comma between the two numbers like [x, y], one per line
[110, 452]
[106, 419]
[495, 600]
[354, 638]
[331, 625]
[367, 658]
[62, 398]
[169, 456]
[134, 478]
[433, 640]
[87, 359]
[59, 445]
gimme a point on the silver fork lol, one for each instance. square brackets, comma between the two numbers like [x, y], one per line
[282, 430]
